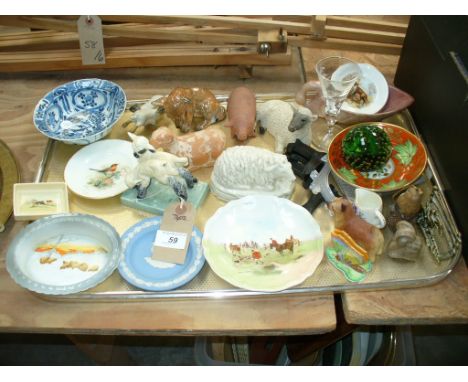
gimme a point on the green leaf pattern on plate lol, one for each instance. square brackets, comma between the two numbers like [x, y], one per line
[392, 184]
[406, 152]
[347, 174]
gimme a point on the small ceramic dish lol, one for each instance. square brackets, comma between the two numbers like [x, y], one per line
[138, 267]
[406, 164]
[32, 201]
[374, 84]
[98, 171]
[80, 112]
[310, 96]
[63, 254]
[263, 243]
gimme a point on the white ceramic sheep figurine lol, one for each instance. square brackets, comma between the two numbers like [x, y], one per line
[286, 122]
[248, 170]
[164, 167]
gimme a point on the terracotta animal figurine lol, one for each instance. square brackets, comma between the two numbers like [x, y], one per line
[146, 115]
[192, 108]
[407, 205]
[201, 148]
[405, 244]
[248, 170]
[286, 122]
[241, 109]
[409, 202]
[364, 234]
[164, 167]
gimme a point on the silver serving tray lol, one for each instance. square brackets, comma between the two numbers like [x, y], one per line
[438, 258]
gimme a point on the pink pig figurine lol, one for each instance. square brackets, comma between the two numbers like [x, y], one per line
[241, 108]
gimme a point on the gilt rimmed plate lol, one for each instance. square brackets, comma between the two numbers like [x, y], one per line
[407, 161]
[263, 243]
[63, 254]
[374, 84]
[97, 171]
[139, 269]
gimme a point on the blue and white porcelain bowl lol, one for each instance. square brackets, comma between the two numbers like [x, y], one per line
[80, 112]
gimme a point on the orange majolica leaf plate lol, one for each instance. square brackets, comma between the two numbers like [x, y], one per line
[407, 161]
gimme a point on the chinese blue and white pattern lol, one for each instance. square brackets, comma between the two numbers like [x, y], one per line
[80, 112]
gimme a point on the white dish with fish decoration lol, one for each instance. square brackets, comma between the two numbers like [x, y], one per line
[80, 112]
[63, 254]
[374, 85]
[98, 171]
[263, 243]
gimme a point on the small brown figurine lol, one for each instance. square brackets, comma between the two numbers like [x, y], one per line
[364, 234]
[241, 109]
[193, 108]
[405, 244]
[409, 202]
[407, 206]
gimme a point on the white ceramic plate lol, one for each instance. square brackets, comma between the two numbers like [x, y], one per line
[98, 171]
[63, 254]
[374, 84]
[242, 243]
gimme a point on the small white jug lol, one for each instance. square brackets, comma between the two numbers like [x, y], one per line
[369, 207]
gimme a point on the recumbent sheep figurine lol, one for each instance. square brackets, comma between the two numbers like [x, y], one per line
[248, 170]
[286, 122]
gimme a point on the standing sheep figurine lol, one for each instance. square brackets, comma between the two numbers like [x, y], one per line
[286, 122]
[247, 170]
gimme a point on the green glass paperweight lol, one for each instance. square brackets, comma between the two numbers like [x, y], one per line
[366, 148]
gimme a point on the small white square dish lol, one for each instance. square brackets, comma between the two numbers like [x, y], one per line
[32, 201]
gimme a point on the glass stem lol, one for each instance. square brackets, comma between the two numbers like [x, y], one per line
[332, 109]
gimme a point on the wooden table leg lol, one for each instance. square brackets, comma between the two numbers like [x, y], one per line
[102, 349]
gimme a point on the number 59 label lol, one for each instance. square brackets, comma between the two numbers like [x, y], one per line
[168, 239]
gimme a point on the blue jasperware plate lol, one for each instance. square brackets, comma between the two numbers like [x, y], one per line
[139, 269]
[80, 112]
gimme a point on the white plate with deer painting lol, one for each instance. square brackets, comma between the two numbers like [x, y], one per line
[263, 243]
[98, 170]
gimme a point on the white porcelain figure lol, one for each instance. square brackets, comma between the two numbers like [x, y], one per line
[247, 170]
[286, 122]
[369, 207]
[164, 167]
[146, 115]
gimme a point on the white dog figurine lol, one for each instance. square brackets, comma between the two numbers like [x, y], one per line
[164, 167]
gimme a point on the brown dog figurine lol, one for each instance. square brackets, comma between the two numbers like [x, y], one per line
[366, 235]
